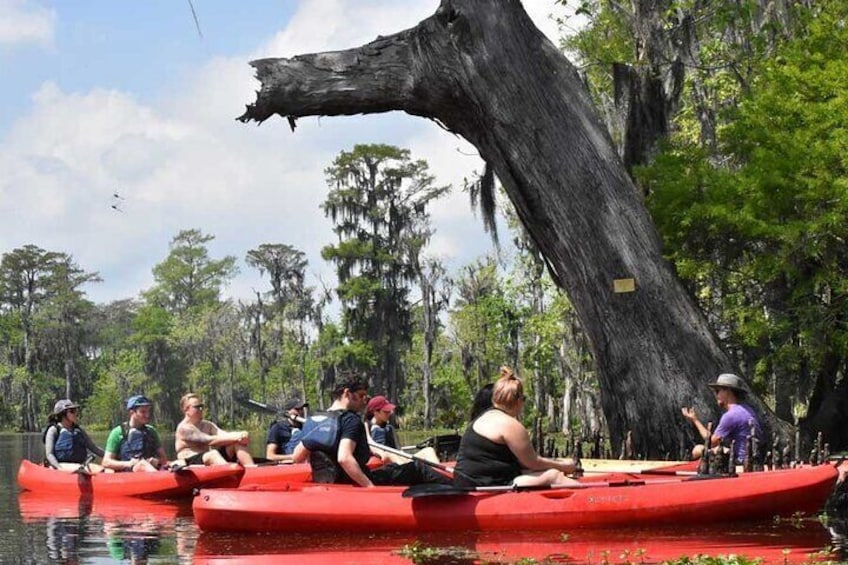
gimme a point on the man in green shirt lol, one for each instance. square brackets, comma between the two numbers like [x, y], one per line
[134, 445]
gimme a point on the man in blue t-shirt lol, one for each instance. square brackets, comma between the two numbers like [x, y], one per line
[736, 422]
[284, 434]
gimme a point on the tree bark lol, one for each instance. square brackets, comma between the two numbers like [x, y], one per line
[483, 70]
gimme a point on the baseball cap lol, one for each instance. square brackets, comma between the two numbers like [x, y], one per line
[63, 405]
[138, 400]
[379, 402]
[295, 404]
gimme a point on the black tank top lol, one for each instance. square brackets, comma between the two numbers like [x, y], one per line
[482, 462]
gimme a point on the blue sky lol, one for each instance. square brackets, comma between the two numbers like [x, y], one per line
[104, 96]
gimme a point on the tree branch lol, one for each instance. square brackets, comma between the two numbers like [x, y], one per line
[373, 78]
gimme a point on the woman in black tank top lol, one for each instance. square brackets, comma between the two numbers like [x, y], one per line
[496, 448]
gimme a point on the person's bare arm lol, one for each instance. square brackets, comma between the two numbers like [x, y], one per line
[300, 454]
[240, 436]
[192, 434]
[272, 455]
[348, 462]
[188, 434]
[110, 461]
[689, 414]
[518, 440]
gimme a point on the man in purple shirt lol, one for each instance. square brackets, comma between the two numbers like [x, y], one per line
[735, 424]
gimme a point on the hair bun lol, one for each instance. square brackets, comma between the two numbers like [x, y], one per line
[506, 371]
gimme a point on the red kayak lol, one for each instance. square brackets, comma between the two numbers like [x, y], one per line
[693, 500]
[268, 474]
[161, 484]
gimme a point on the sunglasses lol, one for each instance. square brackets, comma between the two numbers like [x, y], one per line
[197, 406]
[72, 410]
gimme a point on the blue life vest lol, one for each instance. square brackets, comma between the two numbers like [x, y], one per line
[321, 432]
[138, 443]
[288, 449]
[69, 446]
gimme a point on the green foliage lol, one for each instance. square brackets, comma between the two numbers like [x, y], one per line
[482, 320]
[604, 41]
[42, 336]
[730, 559]
[760, 237]
[378, 202]
[715, 48]
[183, 337]
[188, 278]
[119, 375]
[450, 395]
[423, 554]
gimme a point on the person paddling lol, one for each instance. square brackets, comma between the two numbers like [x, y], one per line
[135, 445]
[66, 445]
[199, 441]
[734, 425]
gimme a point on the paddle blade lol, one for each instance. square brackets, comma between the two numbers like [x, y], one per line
[250, 403]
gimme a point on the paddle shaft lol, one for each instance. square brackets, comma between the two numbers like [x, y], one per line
[272, 409]
[577, 486]
[422, 490]
[660, 472]
[410, 456]
[255, 404]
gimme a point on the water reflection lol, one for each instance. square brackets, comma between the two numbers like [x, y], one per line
[130, 530]
[132, 544]
[838, 530]
[783, 543]
[63, 537]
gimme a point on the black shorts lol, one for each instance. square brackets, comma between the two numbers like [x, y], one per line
[227, 457]
[196, 459]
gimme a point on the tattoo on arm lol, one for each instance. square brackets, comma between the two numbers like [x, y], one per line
[193, 435]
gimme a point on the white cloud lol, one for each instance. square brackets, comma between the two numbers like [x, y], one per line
[183, 162]
[23, 22]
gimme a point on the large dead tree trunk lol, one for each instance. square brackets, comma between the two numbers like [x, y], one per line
[484, 71]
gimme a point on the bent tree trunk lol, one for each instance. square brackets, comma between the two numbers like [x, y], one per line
[484, 71]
